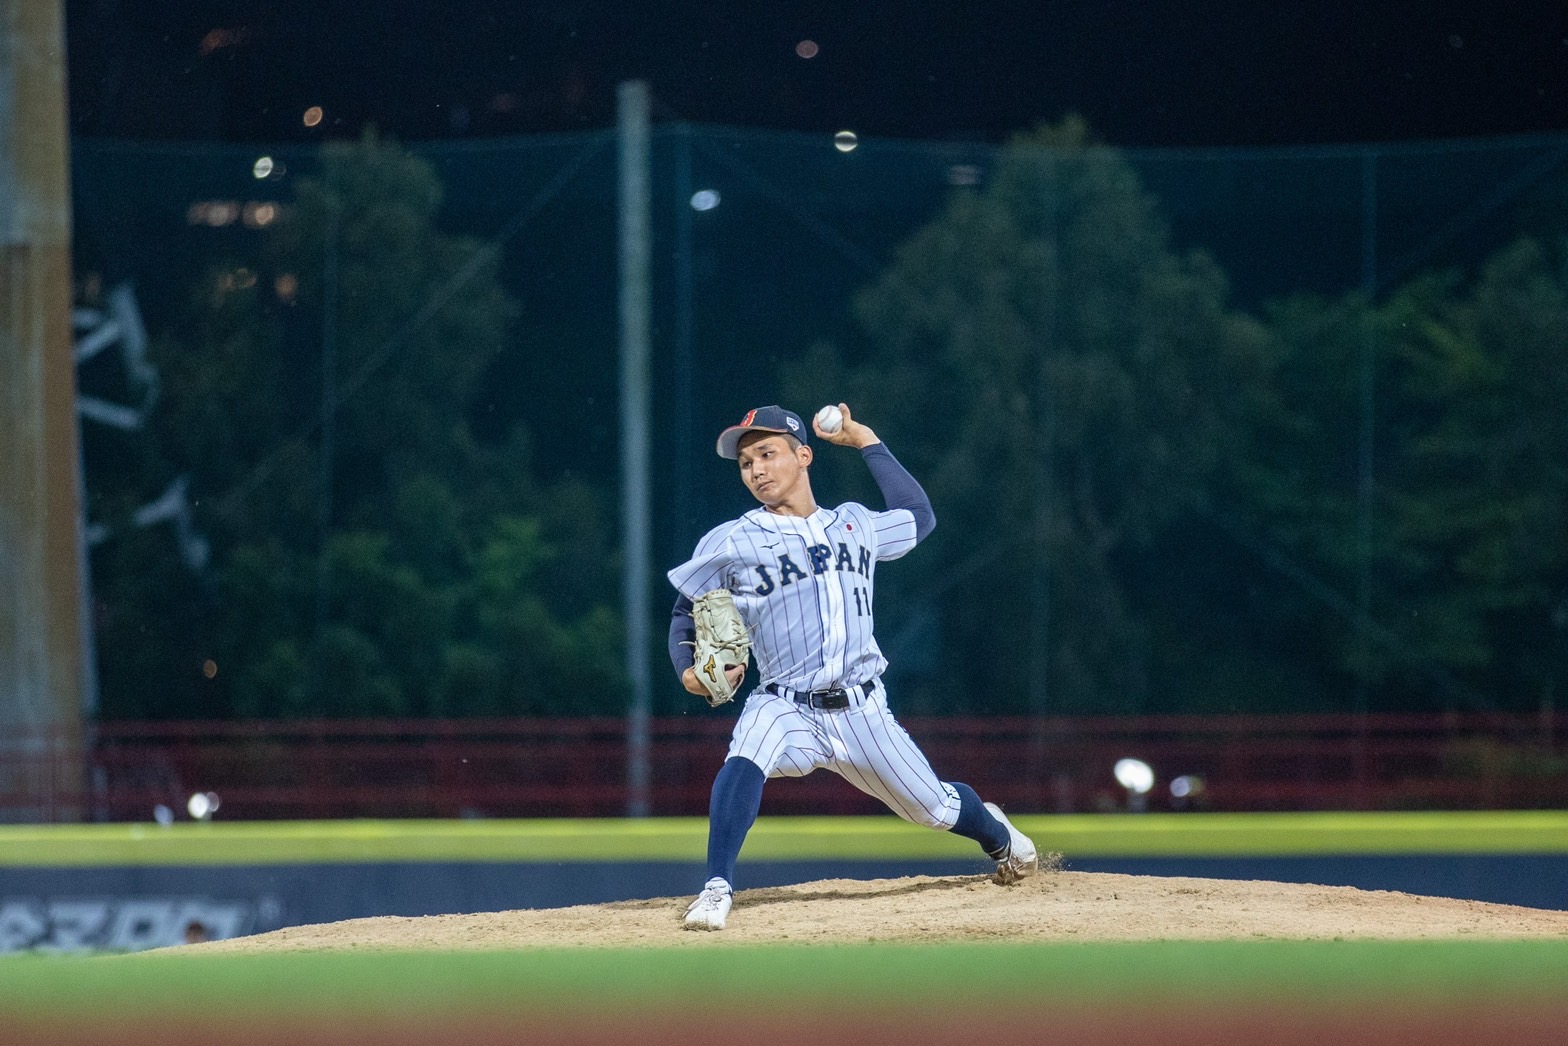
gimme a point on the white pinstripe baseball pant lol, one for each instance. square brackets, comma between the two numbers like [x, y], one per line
[863, 744]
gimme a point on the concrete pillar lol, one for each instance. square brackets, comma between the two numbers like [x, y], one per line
[42, 673]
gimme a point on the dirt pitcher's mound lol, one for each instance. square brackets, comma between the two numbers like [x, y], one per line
[1055, 906]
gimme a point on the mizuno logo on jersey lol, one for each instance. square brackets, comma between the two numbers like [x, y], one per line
[821, 559]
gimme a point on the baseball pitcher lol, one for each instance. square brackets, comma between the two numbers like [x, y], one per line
[791, 583]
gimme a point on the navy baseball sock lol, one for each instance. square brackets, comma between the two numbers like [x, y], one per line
[732, 809]
[975, 822]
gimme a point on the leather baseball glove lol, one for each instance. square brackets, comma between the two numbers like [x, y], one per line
[721, 641]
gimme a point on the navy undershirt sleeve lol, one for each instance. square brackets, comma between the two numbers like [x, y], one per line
[899, 488]
[683, 631]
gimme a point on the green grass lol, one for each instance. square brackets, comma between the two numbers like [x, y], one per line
[605, 981]
[776, 838]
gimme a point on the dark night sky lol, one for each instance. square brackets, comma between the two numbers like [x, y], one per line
[1143, 72]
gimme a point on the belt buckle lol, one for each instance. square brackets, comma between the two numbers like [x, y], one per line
[834, 697]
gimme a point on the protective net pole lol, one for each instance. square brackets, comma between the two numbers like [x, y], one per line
[635, 326]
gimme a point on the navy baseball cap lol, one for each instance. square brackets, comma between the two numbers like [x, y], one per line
[763, 419]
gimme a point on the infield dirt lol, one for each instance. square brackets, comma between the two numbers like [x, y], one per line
[1056, 905]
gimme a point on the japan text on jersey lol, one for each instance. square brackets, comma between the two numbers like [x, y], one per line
[803, 585]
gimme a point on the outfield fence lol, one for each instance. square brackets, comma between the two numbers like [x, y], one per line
[576, 767]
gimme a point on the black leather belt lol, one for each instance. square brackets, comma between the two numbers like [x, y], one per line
[828, 700]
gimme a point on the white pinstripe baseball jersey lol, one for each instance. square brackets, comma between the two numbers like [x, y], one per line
[803, 585]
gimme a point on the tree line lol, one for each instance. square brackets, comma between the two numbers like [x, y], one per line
[1150, 500]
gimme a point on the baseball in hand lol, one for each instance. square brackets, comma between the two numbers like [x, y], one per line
[830, 418]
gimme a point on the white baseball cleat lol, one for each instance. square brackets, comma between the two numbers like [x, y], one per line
[711, 907]
[1022, 858]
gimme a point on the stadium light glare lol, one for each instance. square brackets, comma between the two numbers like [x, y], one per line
[1134, 775]
[1137, 777]
[202, 805]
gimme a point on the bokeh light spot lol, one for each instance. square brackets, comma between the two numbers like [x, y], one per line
[806, 49]
[963, 174]
[845, 141]
[312, 116]
[259, 215]
[1134, 775]
[202, 805]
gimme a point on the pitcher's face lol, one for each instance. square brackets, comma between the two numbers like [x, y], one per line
[772, 466]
